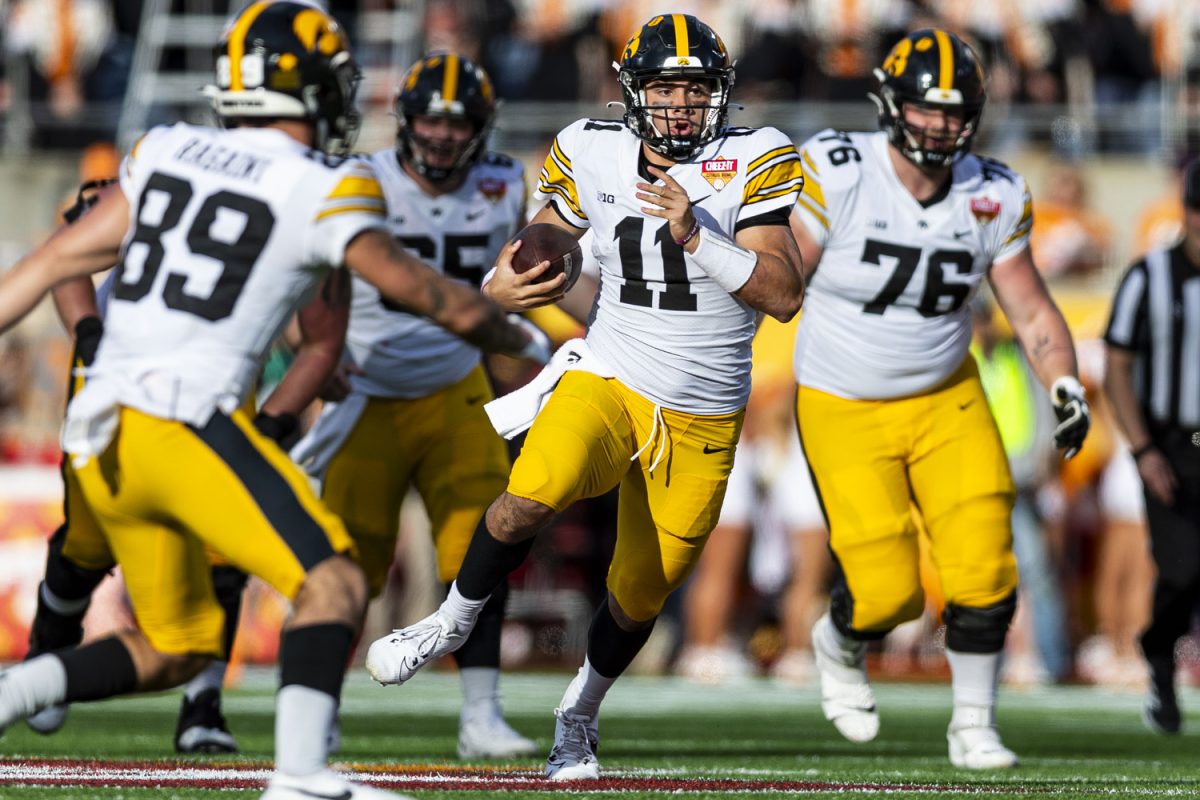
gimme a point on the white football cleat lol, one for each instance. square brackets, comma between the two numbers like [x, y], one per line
[979, 747]
[398, 656]
[573, 757]
[847, 699]
[324, 785]
[48, 720]
[487, 735]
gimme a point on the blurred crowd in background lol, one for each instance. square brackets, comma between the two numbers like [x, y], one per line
[1073, 80]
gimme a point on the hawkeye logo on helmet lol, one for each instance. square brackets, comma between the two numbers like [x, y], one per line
[719, 171]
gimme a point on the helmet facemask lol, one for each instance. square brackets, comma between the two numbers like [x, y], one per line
[415, 149]
[916, 142]
[640, 113]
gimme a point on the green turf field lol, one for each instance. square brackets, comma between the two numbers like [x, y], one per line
[659, 737]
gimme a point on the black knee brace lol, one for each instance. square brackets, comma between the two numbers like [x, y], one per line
[228, 584]
[979, 630]
[482, 648]
[65, 578]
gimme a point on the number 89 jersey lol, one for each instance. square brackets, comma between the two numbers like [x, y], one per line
[666, 329]
[885, 314]
[230, 231]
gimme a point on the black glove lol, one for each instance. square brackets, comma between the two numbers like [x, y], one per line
[1074, 416]
[279, 427]
[87, 339]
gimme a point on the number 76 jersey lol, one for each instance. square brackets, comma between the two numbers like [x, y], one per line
[885, 314]
[667, 330]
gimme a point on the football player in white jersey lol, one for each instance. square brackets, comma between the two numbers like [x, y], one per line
[219, 235]
[689, 220]
[415, 414]
[901, 227]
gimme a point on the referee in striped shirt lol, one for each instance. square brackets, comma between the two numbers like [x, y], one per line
[1153, 383]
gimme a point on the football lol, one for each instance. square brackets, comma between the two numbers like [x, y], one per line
[545, 242]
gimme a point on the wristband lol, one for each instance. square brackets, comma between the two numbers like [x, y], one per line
[695, 229]
[723, 260]
[1141, 451]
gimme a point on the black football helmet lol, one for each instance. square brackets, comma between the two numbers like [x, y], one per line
[286, 59]
[444, 85]
[675, 46]
[934, 68]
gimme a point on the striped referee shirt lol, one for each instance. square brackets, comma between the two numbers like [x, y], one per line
[1156, 315]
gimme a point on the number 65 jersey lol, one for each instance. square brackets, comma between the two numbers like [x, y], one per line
[230, 232]
[885, 314]
[667, 330]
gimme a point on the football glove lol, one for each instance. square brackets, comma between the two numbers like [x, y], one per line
[278, 427]
[1074, 416]
[539, 348]
[87, 339]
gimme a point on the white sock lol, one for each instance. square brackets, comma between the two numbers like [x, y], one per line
[461, 611]
[481, 691]
[211, 677]
[303, 718]
[66, 608]
[30, 686]
[973, 677]
[586, 692]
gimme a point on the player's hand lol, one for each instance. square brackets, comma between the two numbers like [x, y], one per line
[1074, 416]
[87, 338]
[670, 202]
[338, 387]
[279, 427]
[1157, 475]
[539, 348]
[521, 291]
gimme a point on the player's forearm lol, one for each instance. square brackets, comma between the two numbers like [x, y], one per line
[75, 299]
[1048, 344]
[23, 286]
[469, 315]
[1118, 387]
[775, 287]
[304, 380]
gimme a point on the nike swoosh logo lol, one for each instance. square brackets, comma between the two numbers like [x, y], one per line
[474, 399]
[708, 449]
[474, 215]
[961, 234]
[963, 406]
[702, 199]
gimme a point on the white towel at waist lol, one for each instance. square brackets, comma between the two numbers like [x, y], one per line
[327, 435]
[516, 411]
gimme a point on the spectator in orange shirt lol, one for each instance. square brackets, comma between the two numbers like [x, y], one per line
[1068, 237]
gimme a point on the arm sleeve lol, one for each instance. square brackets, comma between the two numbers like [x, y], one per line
[355, 203]
[773, 177]
[557, 181]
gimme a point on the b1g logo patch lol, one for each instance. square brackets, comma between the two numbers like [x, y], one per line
[985, 209]
[493, 189]
[719, 171]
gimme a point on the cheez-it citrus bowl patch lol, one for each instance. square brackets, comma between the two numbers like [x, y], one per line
[985, 209]
[719, 171]
[493, 189]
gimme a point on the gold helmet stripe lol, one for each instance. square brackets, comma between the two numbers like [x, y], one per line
[237, 42]
[450, 78]
[945, 61]
[681, 35]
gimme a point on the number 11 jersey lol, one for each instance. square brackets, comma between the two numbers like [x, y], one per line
[666, 329]
[885, 314]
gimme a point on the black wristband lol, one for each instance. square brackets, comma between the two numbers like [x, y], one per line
[1141, 451]
[88, 331]
[276, 426]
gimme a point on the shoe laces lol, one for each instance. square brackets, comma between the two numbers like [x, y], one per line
[577, 743]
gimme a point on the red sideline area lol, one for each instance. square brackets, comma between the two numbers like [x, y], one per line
[228, 775]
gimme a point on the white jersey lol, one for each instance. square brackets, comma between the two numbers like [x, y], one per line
[459, 234]
[886, 312]
[666, 328]
[230, 232]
